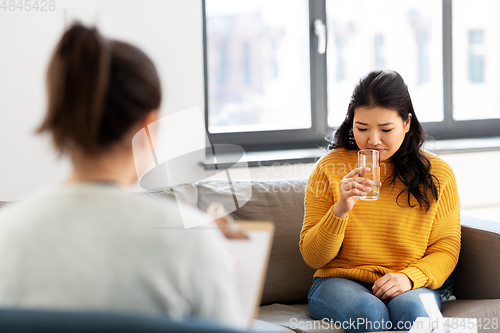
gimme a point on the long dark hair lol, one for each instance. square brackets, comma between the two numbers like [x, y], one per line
[387, 89]
[97, 90]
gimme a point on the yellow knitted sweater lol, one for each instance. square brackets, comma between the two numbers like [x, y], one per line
[379, 237]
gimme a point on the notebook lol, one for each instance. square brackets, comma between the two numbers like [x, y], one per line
[253, 258]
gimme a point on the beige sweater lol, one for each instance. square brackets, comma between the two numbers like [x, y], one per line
[95, 247]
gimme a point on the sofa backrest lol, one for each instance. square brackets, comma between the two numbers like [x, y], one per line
[281, 202]
[288, 277]
[186, 193]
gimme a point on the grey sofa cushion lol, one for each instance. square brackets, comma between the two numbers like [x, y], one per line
[487, 312]
[282, 202]
[478, 269]
[187, 193]
[297, 318]
[260, 326]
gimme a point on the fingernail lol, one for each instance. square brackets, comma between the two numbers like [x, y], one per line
[367, 189]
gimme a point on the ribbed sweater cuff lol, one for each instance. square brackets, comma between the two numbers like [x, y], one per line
[418, 278]
[334, 224]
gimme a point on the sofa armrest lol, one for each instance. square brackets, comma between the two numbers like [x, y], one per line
[478, 269]
[21, 320]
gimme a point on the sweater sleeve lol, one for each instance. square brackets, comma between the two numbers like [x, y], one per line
[322, 232]
[443, 249]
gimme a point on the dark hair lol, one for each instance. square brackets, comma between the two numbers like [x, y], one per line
[386, 88]
[97, 90]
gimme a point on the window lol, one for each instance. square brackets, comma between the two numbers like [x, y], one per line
[269, 86]
[263, 57]
[476, 61]
[408, 39]
[476, 56]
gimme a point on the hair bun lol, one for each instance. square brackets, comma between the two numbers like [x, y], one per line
[83, 69]
[98, 88]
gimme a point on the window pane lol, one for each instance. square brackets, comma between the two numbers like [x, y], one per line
[476, 59]
[258, 65]
[405, 36]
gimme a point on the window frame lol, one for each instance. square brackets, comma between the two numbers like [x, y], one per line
[314, 136]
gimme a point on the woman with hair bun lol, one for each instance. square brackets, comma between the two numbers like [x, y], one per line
[374, 258]
[88, 244]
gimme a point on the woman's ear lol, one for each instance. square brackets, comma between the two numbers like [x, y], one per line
[149, 122]
[151, 117]
[408, 123]
[143, 144]
[146, 123]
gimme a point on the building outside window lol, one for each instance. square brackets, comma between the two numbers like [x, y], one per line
[476, 56]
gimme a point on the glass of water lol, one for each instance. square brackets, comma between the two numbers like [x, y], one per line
[368, 158]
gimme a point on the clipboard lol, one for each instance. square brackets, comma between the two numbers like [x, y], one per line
[253, 258]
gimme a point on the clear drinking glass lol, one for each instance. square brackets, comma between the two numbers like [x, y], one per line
[370, 159]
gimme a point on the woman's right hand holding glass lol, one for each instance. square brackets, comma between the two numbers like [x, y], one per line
[350, 188]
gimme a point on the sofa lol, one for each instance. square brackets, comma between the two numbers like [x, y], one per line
[284, 300]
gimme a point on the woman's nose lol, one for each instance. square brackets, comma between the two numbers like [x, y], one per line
[374, 138]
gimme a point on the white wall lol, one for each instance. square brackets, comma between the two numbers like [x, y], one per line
[26, 40]
[477, 183]
[170, 31]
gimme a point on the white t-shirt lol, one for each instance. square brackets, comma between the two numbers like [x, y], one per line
[96, 247]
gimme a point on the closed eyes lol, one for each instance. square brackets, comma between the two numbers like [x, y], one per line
[364, 129]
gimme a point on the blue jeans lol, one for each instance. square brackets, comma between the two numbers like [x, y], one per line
[353, 305]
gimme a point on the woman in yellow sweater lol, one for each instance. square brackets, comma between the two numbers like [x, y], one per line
[373, 258]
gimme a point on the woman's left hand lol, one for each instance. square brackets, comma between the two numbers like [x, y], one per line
[391, 285]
